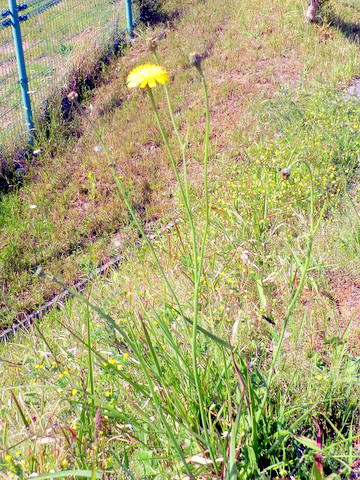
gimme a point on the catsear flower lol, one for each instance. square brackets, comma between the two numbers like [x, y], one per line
[147, 76]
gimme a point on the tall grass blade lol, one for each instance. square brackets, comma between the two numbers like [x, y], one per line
[70, 473]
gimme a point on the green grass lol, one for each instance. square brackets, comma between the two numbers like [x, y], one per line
[120, 380]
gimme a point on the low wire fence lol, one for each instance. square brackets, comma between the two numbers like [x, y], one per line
[41, 43]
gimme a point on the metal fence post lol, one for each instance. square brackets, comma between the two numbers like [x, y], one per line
[129, 17]
[23, 79]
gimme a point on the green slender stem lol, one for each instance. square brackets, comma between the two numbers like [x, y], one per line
[185, 175]
[197, 260]
[199, 264]
[206, 165]
[176, 173]
[170, 108]
[297, 293]
[182, 142]
[197, 279]
[90, 359]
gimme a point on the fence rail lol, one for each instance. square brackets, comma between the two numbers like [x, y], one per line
[41, 42]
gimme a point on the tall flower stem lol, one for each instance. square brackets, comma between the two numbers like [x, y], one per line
[181, 141]
[313, 227]
[197, 256]
[176, 173]
[206, 164]
[170, 107]
[199, 262]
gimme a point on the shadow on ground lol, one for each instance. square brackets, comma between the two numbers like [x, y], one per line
[350, 30]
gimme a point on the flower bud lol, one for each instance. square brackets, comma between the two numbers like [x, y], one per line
[285, 173]
[195, 59]
[152, 44]
[73, 96]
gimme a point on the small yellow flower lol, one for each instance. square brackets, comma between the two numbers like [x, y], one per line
[74, 392]
[147, 76]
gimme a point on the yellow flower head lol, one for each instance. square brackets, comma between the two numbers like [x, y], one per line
[147, 76]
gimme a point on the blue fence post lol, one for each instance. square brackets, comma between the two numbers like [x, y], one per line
[23, 79]
[129, 17]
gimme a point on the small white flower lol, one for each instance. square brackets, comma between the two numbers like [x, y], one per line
[32, 207]
[36, 152]
[97, 149]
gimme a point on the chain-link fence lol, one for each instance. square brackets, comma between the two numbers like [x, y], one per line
[57, 35]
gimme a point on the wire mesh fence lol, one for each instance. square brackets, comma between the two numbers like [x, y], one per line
[57, 35]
